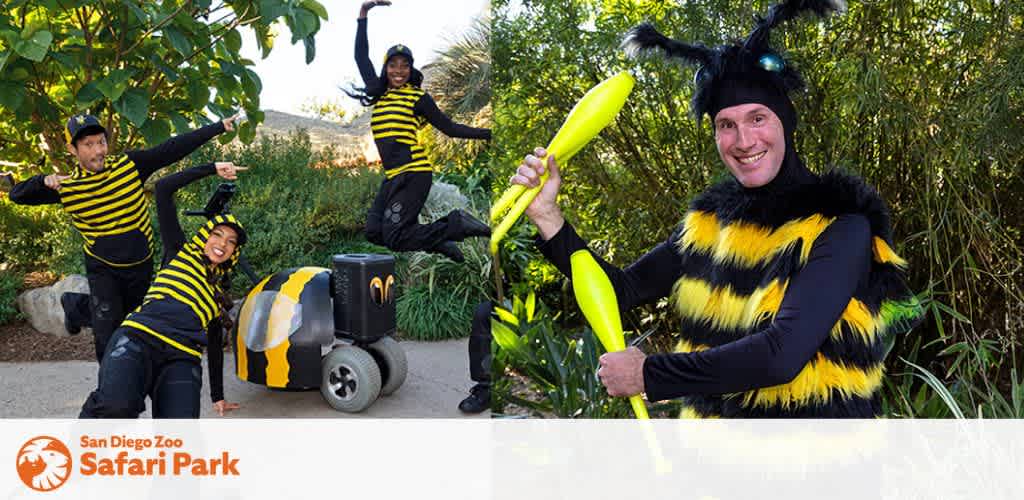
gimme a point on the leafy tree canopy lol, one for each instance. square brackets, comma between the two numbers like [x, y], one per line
[146, 69]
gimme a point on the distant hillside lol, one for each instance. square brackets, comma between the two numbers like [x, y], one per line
[353, 137]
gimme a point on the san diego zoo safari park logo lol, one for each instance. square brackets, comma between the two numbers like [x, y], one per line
[44, 463]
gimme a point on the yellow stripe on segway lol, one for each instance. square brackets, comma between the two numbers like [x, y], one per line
[280, 316]
[243, 328]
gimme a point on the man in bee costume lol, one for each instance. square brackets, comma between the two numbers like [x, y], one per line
[785, 281]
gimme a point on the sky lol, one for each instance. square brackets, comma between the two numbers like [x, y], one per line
[423, 25]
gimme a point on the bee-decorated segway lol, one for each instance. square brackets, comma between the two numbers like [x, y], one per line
[310, 327]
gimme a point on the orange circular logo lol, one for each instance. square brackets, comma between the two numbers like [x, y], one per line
[44, 463]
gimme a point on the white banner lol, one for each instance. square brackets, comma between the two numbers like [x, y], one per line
[512, 459]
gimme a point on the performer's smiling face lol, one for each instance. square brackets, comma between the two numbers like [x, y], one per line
[398, 69]
[90, 150]
[751, 143]
[221, 245]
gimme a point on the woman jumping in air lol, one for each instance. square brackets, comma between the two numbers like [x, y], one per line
[400, 109]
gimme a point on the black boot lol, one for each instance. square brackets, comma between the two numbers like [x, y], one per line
[76, 311]
[469, 226]
[479, 399]
[451, 250]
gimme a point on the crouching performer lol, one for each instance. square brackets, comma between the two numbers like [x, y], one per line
[157, 351]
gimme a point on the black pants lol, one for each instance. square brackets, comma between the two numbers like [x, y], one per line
[480, 343]
[393, 218]
[115, 292]
[133, 368]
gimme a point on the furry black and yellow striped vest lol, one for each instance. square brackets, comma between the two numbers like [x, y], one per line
[740, 251]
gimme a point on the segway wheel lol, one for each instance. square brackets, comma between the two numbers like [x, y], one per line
[391, 359]
[350, 379]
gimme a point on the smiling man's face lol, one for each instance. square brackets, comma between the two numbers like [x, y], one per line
[751, 143]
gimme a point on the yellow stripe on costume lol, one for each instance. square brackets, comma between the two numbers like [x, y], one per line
[177, 345]
[884, 254]
[746, 244]
[687, 346]
[243, 329]
[723, 309]
[396, 108]
[280, 314]
[85, 248]
[815, 383]
[417, 166]
[859, 319]
[689, 413]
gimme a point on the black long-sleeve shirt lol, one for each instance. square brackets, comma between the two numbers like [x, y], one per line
[814, 300]
[173, 238]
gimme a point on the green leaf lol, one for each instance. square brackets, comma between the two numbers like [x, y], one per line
[67, 60]
[247, 132]
[156, 131]
[139, 13]
[198, 93]
[264, 39]
[271, 10]
[3, 58]
[218, 110]
[952, 312]
[251, 84]
[315, 7]
[115, 83]
[87, 95]
[227, 86]
[133, 105]
[233, 41]
[310, 44]
[181, 125]
[178, 41]
[230, 68]
[169, 72]
[303, 24]
[34, 48]
[12, 95]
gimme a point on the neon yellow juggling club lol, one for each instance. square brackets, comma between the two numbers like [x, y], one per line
[596, 297]
[594, 111]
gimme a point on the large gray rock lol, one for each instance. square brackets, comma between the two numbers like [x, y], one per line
[42, 305]
[443, 198]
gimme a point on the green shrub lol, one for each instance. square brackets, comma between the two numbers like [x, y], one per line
[425, 314]
[10, 282]
[559, 365]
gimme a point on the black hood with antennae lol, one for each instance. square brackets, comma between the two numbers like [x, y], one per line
[742, 72]
[745, 65]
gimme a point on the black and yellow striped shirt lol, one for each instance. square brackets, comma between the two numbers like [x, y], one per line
[398, 116]
[109, 208]
[180, 303]
[395, 129]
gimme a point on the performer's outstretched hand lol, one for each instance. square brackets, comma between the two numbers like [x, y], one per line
[369, 4]
[222, 407]
[228, 171]
[229, 122]
[543, 211]
[53, 181]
